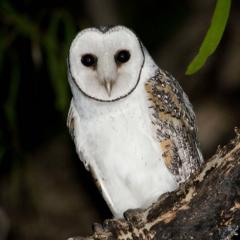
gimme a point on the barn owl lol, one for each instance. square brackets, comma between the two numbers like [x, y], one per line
[132, 124]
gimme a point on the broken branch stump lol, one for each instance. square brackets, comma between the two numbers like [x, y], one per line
[207, 206]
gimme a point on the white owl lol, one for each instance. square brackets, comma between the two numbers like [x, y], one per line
[132, 124]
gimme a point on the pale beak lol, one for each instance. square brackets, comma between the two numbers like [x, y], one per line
[108, 87]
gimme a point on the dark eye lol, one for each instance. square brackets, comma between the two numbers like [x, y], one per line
[89, 60]
[122, 56]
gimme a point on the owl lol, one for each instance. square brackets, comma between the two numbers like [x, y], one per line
[132, 124]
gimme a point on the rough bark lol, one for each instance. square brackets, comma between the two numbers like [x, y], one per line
[207, 206]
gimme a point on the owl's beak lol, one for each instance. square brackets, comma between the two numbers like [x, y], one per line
[108, 87]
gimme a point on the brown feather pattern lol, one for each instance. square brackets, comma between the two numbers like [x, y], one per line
[174, 124]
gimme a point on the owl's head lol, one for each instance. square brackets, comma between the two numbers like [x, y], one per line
[105, 63]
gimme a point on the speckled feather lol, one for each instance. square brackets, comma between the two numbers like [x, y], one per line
[173, 121]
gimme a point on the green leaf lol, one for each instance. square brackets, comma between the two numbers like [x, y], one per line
[21, 23]
[10, 105]
[213, 36]
[56, 52]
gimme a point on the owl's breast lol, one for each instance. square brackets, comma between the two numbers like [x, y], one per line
[121, 147]
[119, 136]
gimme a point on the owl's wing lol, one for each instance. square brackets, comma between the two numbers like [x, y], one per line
[74, 126]
[75, 129]
[173, 121]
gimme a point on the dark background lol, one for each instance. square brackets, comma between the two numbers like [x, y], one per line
[45, 192]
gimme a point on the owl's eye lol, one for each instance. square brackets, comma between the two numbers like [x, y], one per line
[89, 60]
[122, 56]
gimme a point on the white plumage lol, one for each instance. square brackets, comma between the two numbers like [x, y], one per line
[131, 145]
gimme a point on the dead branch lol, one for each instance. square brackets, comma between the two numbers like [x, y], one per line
[207, 206]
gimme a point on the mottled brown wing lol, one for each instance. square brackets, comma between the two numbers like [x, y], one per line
[173, 120]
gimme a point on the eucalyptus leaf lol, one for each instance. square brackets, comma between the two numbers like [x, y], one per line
[56, 51]
[20, 22]
[213, 36]
[10, 104]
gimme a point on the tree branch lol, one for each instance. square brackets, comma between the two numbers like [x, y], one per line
[207, 206]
